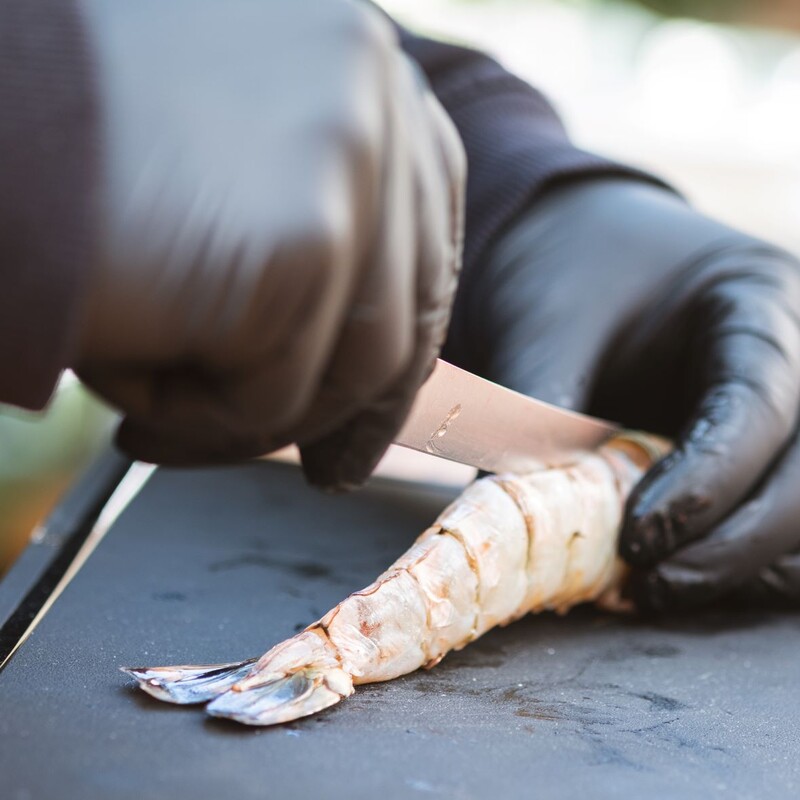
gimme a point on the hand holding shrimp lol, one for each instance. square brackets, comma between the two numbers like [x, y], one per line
[507, 546]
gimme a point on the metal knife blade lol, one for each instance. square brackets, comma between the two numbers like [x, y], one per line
[464, 418]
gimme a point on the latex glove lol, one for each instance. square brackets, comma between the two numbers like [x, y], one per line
[616, 298]
[279, 230]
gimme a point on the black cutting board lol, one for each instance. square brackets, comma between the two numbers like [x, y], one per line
[215, 565]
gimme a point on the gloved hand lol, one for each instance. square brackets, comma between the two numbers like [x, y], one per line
[614, 297]
[279, 230]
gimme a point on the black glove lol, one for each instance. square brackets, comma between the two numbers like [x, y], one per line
[279, 226]
[615, 297]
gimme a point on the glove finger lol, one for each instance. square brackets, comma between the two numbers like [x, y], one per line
[347, 457]
[344, 459]
[146, 437]
[209, 447]
[126, 388]
[747, 542]
[152, 400]
[185, 416]
[749, 356]
[779, 582]
[204, 435]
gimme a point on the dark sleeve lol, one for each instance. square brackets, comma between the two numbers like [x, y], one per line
[47, 125]
[516, 145]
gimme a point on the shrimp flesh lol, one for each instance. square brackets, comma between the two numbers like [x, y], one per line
[509, 545]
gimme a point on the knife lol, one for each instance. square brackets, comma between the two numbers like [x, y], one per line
[461, 417]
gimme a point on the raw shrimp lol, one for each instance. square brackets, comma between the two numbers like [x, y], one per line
[507, 546]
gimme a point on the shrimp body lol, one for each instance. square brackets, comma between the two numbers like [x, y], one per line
[507, 546]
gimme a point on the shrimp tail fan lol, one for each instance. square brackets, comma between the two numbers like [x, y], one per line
[283, 699]
[189, 684]
[296, 678]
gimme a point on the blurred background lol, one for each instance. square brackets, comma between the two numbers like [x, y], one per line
[704, 92]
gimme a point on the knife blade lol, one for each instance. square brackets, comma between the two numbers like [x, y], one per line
[461, 417]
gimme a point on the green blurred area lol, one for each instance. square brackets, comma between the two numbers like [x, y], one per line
[40, 455]
[720, 9]
[771, 13]
[775, 13]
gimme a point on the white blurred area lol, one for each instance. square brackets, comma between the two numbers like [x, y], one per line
[715, 109]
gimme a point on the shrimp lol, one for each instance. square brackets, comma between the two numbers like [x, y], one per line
[509, 545]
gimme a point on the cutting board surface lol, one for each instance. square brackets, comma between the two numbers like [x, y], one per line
[216, 565]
